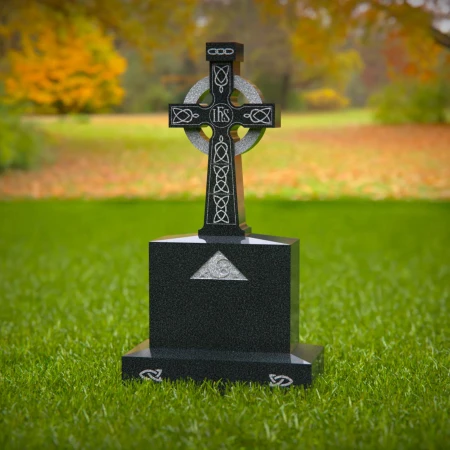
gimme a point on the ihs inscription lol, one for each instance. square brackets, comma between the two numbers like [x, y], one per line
[221, 115]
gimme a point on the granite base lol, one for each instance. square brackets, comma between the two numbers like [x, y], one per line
[299, 367]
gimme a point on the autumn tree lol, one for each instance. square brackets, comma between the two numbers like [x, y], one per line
[67, 69]
[142, 24]
[286, 49]
[417, 60]
[407, 33]
[291, 45]
[61, 56]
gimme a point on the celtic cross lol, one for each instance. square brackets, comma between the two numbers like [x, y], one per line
[224, 204]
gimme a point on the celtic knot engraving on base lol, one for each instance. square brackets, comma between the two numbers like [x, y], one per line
[221, 76]
[219, 267]
[221, 203]
[183, 115]
[151, 374]
[260, 116]
[221, 186]
[221, 152]
[280, 380]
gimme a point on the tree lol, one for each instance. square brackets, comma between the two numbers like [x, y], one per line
[440, 37]
[415, 50]
[414, 47]
[145, 25]
[61, 55]
[286, 48]
[67, 69]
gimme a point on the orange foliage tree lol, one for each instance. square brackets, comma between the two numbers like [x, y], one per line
[64, 69]
[143, 24]
[414, 47]
[290, 46]
[416, 57]
[60, 55]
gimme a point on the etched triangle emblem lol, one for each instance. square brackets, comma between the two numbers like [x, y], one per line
[219, 267]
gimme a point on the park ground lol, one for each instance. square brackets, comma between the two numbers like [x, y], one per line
[312, 156]
[375, 279]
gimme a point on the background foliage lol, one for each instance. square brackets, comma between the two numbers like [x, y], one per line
[66, 70]
[325, 99]
[22, 145]
[412, 102]
[70, 57]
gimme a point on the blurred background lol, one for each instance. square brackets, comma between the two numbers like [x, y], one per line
[85, 87]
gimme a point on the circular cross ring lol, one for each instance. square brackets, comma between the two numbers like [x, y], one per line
[250, 93]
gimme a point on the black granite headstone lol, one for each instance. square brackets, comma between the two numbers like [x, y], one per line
[224, 303]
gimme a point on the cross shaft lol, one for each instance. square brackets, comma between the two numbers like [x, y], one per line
[224, 204]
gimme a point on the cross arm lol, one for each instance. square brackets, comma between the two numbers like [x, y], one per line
[264, 115]
[185, 115]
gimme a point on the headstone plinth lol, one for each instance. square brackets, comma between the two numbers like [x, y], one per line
[224, 303]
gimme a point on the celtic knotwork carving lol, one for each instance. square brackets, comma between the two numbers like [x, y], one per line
[219, 267]
[221, 186]
[253, 96]
[280, 380]
[221, 215]
[260, 115]
[220, 51]
[150, 374]
[221, 152]
[183, 115]
[221, 76]
[224, 184]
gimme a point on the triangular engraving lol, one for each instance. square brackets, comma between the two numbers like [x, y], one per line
[218, 267]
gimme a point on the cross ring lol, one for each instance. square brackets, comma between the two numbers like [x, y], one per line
[249, 91]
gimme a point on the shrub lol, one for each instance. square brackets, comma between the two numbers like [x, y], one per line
[61, 65]
[79, 118]
[325, 99]
[296, 102]
[21, 144]
[411, 102]
[153, 98]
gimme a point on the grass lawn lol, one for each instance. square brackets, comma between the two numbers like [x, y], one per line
[375, 290]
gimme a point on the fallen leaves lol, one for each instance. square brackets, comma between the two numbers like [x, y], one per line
[368, 161]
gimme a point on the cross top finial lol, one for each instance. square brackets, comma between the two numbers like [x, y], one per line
[224, 52]
[224, 205]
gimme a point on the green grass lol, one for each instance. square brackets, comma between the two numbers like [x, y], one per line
[375, 290]
[329, 119]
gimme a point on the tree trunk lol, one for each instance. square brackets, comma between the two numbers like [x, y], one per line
[441, 38]
[285, 87]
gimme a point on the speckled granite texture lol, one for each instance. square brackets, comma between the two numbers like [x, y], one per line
[224, 308]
